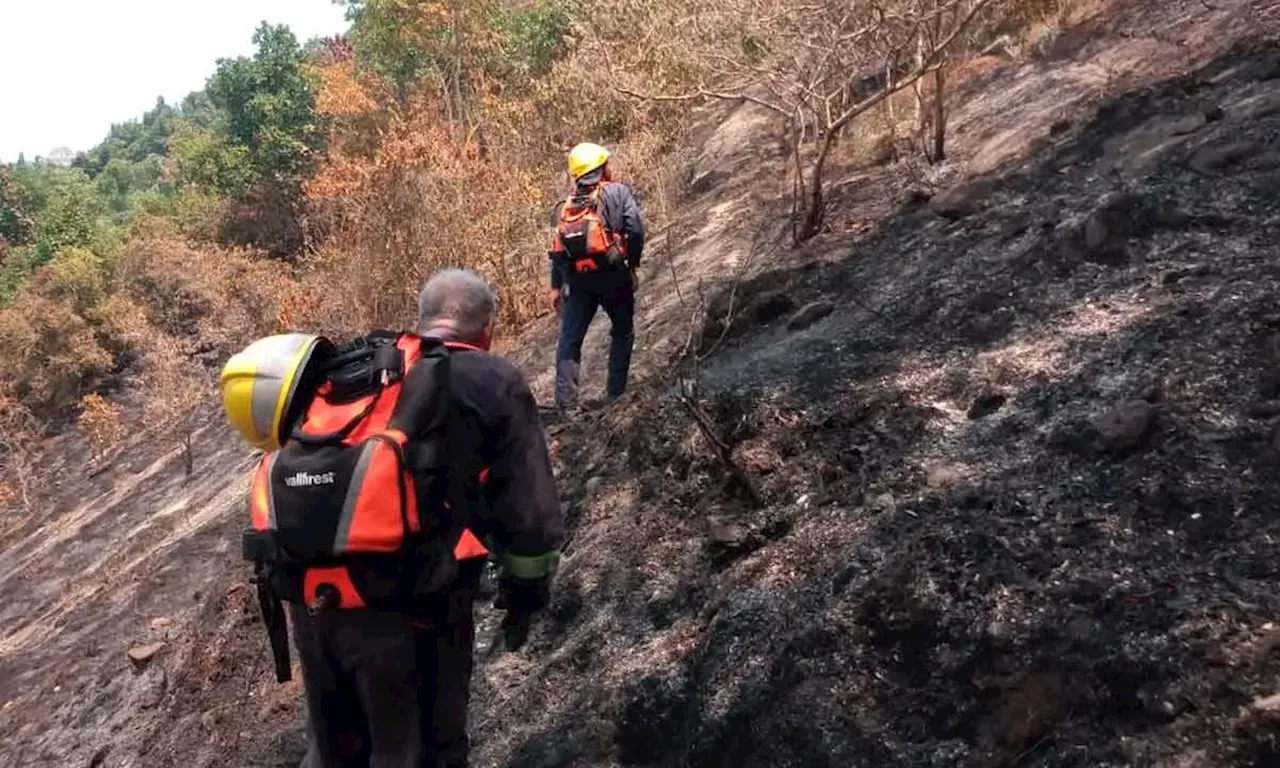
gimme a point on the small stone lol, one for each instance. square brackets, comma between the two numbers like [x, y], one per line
[1124, 427]
[161, 622]
[1268, 703]
[726, 533]
[809, 314]
[883, 502]
[1213, 113]
[142, 655]
[943, 476]
[593, 484]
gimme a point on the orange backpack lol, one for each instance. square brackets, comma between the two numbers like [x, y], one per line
[584, 237]
[367, 503]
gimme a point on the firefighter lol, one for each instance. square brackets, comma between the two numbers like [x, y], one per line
[390, 686]
[598, 243]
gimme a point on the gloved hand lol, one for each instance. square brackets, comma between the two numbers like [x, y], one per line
[557, 297]
[521, 598]
[635, 279]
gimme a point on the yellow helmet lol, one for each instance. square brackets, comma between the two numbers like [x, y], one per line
[585, 158]
[266, 385]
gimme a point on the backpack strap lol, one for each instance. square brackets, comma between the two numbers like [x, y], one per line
[437, 453]
[365, 365]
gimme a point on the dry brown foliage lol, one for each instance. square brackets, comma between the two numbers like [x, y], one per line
[217, 298]
[102, 423]
[410, 188]
[48, 354]
[819, 66]
[20, 433]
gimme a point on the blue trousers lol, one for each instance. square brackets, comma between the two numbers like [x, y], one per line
[616, 295]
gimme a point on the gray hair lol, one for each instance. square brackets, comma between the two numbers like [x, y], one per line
[456, 297]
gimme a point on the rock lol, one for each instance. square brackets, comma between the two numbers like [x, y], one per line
[1213, 113]
[1268, 703]
[1059, 127]
[1218, 158]
[1174, 276]
[809, 314]
[918, 195]
[772, 306]
[161, 623]
[1268, 409]
[142, 655]
[592, 485]
[1126, 426]
[986, 404]
[943, 476]
[725, 533]
[727, 541]
[883, 502]
[961, 200]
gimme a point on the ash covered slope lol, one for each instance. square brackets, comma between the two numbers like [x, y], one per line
[1021, 478]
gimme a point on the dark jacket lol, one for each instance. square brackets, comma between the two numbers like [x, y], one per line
[520, 515]
[621, 214]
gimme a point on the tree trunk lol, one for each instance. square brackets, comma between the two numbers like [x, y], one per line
[795, 128]
[888, 86]
[814, 211]
[939, 116]
[918, 124]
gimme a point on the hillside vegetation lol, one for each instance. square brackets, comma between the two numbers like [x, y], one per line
[953, 422]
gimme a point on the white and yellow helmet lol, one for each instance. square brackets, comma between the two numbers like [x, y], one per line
[266, 385]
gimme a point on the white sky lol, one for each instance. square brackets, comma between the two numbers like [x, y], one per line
[71, 68]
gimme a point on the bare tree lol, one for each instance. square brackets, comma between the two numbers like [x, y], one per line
[809, 64]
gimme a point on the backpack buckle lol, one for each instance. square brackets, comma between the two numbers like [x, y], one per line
[327, 597]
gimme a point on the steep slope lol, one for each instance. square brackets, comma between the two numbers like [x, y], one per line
[1019, 475]
[1017, 463]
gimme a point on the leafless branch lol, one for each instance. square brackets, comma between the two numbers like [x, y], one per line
[721, 449]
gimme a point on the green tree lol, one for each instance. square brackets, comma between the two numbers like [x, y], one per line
[267, 106]
[15, 223]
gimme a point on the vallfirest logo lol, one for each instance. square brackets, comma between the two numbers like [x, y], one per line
[305, 480]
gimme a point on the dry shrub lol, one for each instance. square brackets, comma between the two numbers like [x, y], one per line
[48, 354]
[406, 190]
[75, 277]
[102, 423]
[423, 200]
[20, 433]
[218, 298]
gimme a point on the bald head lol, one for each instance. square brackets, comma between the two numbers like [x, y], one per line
[458, 299]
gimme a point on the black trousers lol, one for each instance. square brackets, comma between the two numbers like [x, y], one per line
[387, 690]
[613, 292]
